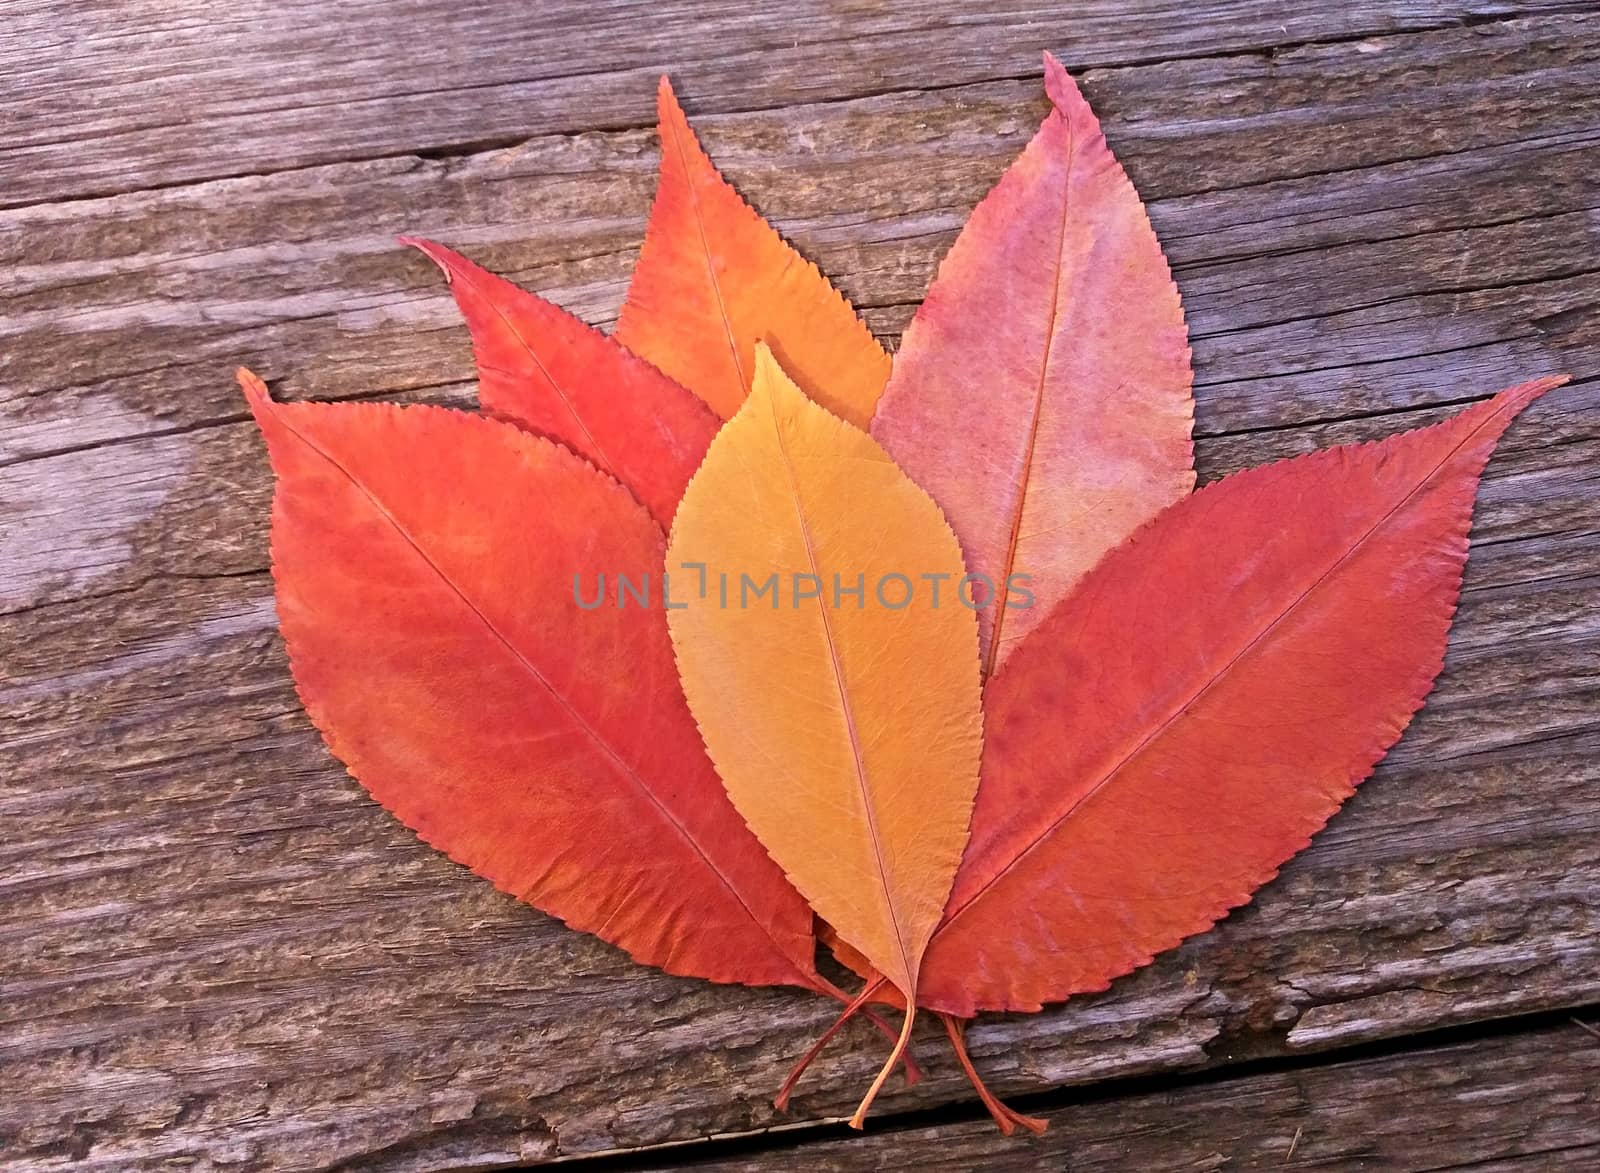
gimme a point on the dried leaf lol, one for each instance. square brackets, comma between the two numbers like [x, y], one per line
[714, 278]
[1174, 717]
[847, 731]
[544, 369]
[1201, 705]
[424, 562]
[1041, 393]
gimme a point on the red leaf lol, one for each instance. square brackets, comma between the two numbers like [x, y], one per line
[1041, 395]
[542, 368]
[1200, 706]
[424, 562]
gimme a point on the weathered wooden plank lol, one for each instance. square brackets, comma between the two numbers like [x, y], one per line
[215, 946]
[1527, 1101]
[242, 87]
[1436, 277]
[123, 315]
[214, 949]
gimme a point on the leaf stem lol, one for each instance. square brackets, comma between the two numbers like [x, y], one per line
[913, 1072]
[1005, 1117]
[859, 1120]
[853, 1007]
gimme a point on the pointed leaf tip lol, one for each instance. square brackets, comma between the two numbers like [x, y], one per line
[436, 253]
[255, 391]
[552, 373]
[1524, 395]
[1058, 84]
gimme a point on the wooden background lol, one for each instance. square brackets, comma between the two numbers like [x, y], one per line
[217, 953]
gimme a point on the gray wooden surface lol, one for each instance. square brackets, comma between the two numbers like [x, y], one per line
[1524, 1101]
[216, 953]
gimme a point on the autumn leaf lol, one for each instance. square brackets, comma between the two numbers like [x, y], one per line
[986, 812]
[1201, 705]
[1194, 712]
[1041, 393]
[424, 562]
[846, 729]
[544, 369]
[714, 278]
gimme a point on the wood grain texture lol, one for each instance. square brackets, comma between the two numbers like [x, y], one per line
[215, 950]
[105, 103]
[1530, 1101]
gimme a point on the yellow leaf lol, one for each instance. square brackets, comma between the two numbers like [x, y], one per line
[846, 727]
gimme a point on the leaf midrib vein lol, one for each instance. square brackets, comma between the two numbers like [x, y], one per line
[868, 807]
[561, 393]
[1216, 677]
[705, 252]
[578, 719]
[992, 656]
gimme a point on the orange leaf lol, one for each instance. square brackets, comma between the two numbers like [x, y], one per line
[713, 279]
[1201, 705]
[1041, 393]
[425, 564]
[542, 368]
[846, 728]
